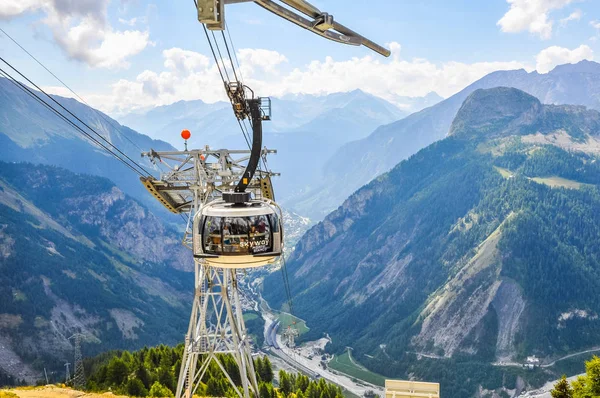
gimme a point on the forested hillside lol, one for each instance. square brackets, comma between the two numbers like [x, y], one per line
[78, 255]
[481, 247]
[154, 371]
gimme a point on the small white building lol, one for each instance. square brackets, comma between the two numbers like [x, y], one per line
[533, 360]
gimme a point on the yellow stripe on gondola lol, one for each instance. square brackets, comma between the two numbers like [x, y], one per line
[266, 188]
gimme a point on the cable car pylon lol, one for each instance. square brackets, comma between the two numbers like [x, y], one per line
[231, 226]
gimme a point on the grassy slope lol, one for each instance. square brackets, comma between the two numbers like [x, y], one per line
[288, 319]
[346, 364]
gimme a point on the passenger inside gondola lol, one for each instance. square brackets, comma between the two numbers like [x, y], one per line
[227, 240]
[212, 235]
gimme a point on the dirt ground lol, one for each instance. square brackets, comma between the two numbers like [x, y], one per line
[51, 392]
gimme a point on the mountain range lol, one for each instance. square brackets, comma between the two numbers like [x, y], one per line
[305, 129]
[356, 112]
[358, 162]
[29, 132]
[480, 248]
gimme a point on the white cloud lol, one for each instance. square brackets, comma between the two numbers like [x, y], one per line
[81, 29]
[553, 56]
[574, 16]
[185, 61]
[531, 15]
[395, 49]
[595, 24]
[60, 90]
[129, 22]
[188, 75]
[13, 8]
[266, 60]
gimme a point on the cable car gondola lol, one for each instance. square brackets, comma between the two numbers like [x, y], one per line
[238, 235]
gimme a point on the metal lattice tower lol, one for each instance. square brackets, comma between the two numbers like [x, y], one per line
[290, 335]
[79, 376]
[216, 326]
[67, 373]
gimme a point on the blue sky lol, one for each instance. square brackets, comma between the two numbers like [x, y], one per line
[124, 55]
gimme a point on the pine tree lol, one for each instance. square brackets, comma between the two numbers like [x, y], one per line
[267, 370]
[117, 371]
[258, 367]
[213, 388]
[588, 386]
[135, 388]
[263, 391]
[166, 378]
[562, 389]
[312, 391]
[285, 384]
[592, 370]
[302, 382]
[142, 375]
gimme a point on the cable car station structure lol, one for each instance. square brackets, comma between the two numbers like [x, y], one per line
[227, 200]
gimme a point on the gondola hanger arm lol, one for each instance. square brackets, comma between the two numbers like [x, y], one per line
[211, 13]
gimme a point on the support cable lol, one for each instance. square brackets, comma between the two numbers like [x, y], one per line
[220, 56]
[32, 94]
[244, 133]
[213, 53]
[229, 54]
[234, 52]
[76, 117]
[286, 283]
[102, 115]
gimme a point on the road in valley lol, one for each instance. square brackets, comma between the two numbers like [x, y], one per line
[551, 364]
[310, 367]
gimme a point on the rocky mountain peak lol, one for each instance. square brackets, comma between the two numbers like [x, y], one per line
[584, 66]
[485, 112]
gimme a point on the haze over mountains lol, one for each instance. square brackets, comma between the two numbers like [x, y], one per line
[305, 129]
[356, 113]
[482, 246]
[358, 162]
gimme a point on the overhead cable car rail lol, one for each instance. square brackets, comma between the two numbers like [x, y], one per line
[212, 14]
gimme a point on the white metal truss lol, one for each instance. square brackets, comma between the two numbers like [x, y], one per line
[216, 327]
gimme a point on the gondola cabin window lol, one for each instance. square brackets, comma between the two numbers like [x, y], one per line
[239, 235]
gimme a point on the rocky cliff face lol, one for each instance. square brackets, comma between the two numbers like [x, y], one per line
[78, 255]
[470, 249]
